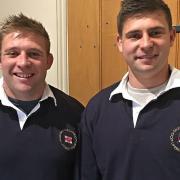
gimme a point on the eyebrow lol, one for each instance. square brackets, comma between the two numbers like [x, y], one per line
[36, 50]
[17, 49]
[132, 32]
[150, 29]
[10, 49]
[157, 28]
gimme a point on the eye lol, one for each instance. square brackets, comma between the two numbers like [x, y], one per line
[11, 53]
[34, 54]
[155, 33]
[134, 35]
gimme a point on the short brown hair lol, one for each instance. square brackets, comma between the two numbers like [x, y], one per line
[132, 7]
[23, 23]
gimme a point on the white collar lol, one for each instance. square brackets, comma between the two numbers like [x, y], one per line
[173, 82]
[5, 101]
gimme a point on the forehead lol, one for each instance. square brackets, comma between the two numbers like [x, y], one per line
[145, 20]
[22, 39]
[18, 34]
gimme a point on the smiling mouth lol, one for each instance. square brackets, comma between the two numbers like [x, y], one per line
[24, 76]
[148, 57]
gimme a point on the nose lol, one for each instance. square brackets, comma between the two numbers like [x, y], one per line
[146, 42]
[23, 60]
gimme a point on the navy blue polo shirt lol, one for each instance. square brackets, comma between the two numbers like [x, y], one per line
[45, 149]
[113, 149]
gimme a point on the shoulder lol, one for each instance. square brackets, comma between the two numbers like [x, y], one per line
[65, 101]
[100, 102]
[103, 96]
[98, 109]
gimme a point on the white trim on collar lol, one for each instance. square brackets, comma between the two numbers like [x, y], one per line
[48, 93]
[21, 115]
[5, 101]
[174, 82]
[120, 89]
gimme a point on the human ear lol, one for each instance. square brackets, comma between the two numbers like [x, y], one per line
[49, 61]
[172, 36]
[119, 42]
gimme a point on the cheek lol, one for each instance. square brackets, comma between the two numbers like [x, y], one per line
[4, 65]
[7, 66]
[40, 67]
[164, 48]
[128, 49]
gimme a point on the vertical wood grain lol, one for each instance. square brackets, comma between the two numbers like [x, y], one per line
[113, 65]
[173, 56]
[84, 48]
[94, 60]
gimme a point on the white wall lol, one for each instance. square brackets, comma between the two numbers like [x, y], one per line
[52, 14]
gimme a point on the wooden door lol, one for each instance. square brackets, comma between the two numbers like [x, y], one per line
[84, 48]
[174, 57]
[113, 65]
[94, 61]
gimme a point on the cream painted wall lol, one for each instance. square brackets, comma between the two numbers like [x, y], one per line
[52, 14]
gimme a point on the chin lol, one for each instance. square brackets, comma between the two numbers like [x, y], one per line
[24, 89]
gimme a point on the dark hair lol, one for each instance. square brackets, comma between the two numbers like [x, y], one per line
[21, 22]
[132, 7]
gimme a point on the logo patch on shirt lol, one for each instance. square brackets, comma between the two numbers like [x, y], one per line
[68, 139]
[175, 139]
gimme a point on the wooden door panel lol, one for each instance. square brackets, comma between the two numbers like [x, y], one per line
[174, 7]
[83, 48]
[113, 65]
[94, 60]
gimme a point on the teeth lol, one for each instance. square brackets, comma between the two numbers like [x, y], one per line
[146, 57]
[24, 75]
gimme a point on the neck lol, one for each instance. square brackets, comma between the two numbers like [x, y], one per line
[26, 95]
[144, 81]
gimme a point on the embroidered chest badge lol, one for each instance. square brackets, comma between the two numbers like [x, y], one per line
[175, 139]
[68, 139]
